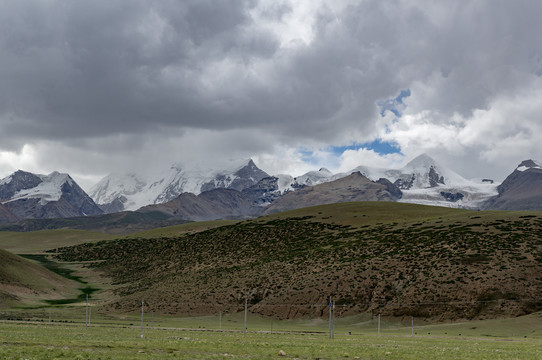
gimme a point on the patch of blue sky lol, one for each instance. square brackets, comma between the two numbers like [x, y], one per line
[394, 105]
[378, 146]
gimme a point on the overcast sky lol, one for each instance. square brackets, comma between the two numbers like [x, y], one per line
[92, 87]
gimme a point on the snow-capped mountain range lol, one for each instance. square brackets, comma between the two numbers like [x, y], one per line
[422, 181]
[133, 192]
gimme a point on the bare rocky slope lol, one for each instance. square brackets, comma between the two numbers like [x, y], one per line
[354, 187]
[209, 205]
[6, 216]
[521, 190]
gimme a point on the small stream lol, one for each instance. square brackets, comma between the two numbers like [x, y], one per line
[68, 274]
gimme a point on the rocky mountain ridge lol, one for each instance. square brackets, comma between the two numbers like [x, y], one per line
[117, 192]
[246, 191]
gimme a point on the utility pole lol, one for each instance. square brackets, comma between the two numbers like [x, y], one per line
[86, 314]
[246, 305]
[330, 306]
[220, 320]
[412, 318]
[378, 324]
[142, 305]
[333, 322]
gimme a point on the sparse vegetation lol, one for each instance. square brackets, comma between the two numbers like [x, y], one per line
[377, 257]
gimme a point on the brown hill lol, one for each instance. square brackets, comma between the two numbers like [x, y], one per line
[354, 187]
[381, 257]
[22, 281]
[6, 216]
[209, 205]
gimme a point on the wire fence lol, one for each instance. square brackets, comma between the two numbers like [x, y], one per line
[331, 322]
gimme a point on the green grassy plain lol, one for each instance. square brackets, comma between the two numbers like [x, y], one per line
[36, 242]
[74, 341]
[176, 230]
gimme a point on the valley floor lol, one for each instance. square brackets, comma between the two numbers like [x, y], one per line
[31, 340]
[62, 333]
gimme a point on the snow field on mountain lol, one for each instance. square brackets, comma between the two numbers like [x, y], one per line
[49, 190]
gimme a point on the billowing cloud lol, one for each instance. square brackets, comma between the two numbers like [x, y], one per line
[99, 86]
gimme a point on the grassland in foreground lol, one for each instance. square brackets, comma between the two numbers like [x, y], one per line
[64, 341]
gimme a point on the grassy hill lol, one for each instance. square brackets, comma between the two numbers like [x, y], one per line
[390, 258]
[117, 223]
[23, 282]
[35, 242]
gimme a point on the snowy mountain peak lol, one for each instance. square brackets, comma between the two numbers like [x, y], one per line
[116, 185]
[421, 161]
[16, 182]
[313, 178]
[529, 164]
[58, 178]
[48, 189]
[29, 195]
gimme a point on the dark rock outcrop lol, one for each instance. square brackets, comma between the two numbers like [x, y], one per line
[405, 183]
[452, 197]
[247, 176]
[395, 191]
[264, 192]
[434, 178]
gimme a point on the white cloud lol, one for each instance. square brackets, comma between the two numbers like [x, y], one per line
[11, 161]
[350, 159]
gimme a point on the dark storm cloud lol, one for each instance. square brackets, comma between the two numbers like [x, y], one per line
[125, 74]
[73, 68]
[88, 69]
